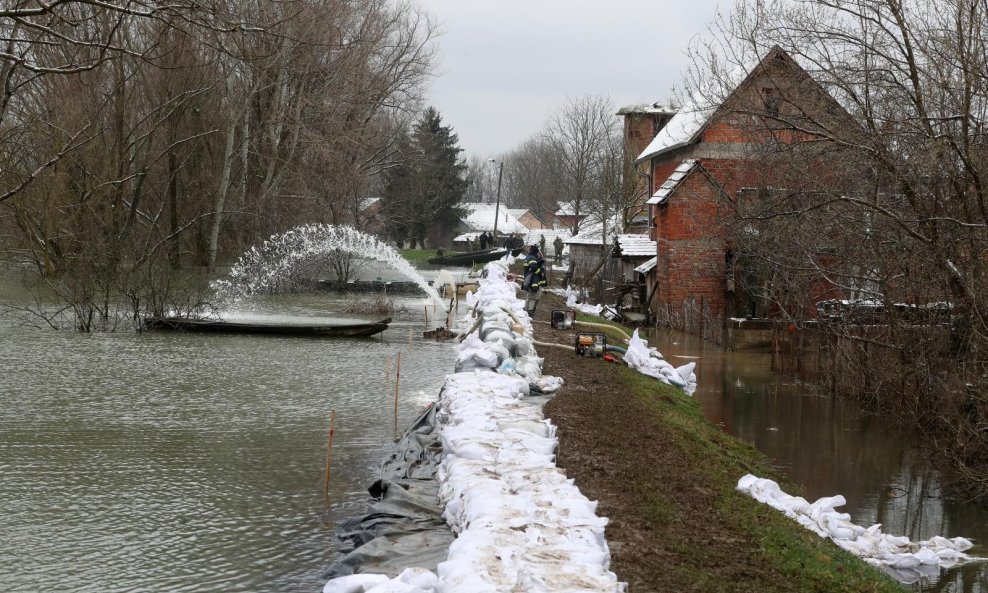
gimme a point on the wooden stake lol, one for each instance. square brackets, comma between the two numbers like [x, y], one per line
[426, 309]
[397, 381]
[329, 452]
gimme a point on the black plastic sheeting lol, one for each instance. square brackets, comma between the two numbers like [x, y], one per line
[405, 526]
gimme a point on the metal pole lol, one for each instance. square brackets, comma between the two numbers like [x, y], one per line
[497, 205]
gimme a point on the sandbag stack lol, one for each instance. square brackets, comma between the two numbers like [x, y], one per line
[521, 525]
[907, 560]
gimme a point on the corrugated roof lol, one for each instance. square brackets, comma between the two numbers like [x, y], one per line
[648, 266]
[670, 184]
[636, 246]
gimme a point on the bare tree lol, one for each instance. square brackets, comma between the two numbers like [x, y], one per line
[878, 195]
[144, 137]
[581, 134]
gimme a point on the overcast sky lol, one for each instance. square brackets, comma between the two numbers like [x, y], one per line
[505, 65]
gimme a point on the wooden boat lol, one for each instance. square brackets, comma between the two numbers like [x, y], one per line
[355, 329]
[469, 258]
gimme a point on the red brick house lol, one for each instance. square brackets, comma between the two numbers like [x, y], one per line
[696, 166]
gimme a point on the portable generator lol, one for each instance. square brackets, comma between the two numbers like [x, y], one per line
[591, 344]
[561, 319]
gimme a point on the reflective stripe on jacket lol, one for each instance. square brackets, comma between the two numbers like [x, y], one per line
[534, 266]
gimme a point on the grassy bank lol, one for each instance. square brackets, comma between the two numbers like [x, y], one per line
[666, 477]
[418, 256]
[795, 558]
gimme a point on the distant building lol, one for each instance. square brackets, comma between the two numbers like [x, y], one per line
[479, 218]
[569, 216]
[587, 248]
[529, 219]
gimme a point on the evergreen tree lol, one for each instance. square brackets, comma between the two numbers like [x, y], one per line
[422, 194]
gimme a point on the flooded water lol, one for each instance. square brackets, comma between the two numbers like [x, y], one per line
[831, 448]
[185, 462]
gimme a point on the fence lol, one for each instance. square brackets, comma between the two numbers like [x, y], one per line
[692, 317]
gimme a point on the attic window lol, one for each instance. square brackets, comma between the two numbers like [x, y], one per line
[770, 99]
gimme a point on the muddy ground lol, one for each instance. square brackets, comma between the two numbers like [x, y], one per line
[664, 477]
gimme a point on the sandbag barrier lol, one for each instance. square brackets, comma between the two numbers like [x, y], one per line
[520, 524]
[907, 561]
[404, 527]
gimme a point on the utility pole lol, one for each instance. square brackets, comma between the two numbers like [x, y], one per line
[497, 205]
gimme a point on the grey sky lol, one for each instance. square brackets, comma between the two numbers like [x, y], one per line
[504, 65]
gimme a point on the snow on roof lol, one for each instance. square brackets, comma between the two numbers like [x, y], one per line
[647, 267]
[591, 233]
[368, 202]
[682, 129]
[472, 236]
[568, 209]
[636, 246]
[648, 108]
[480, 217]
[685, 127]
[670, 184]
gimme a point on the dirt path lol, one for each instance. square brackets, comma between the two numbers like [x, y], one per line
[665, 478]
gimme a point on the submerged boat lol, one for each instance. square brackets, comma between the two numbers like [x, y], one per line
[469, 258]
[342, 329]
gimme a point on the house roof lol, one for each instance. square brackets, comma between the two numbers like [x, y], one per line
[648, 266]
[670, 184]
[592, 233]
[636, 246]
[480, 217]
[568, 209]
[648, 109]
[686, 126]
[683, 129]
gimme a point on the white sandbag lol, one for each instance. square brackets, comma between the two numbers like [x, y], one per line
[906, 558]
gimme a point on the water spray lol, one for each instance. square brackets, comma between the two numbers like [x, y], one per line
[278, 262]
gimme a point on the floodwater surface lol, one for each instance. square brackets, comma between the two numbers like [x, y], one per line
[194, 462]
[829, 447]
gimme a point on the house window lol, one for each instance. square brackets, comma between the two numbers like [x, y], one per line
[770, 100]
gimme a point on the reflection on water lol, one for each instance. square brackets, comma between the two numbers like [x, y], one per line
[830, 448]
[192, 462]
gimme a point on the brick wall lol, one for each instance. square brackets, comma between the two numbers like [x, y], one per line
[691, 249]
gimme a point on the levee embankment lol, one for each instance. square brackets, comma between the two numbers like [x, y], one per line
[666, 478]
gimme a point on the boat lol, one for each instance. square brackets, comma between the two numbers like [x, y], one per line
[344, 329]
[469, 258]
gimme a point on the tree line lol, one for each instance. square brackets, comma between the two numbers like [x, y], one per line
[141, 138]
[577, 158]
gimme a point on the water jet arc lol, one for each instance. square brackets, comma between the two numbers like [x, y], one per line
[263, 268]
